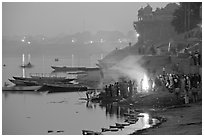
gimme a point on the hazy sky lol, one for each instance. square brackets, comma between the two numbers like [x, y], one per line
[52, 19]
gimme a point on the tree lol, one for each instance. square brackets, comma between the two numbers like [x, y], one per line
[187, 16]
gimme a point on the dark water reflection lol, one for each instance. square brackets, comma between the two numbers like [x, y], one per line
[36, 113]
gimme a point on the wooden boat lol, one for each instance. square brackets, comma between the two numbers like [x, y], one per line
[89, 132]
[64, 87]
[29, 65]
[74, 69]
[43, 79]
[17, 82]
[122, 124]
[109, 129]
[131, 120]
[21, 88]
[116, 126]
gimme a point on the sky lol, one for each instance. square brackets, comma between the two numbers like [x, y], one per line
[54, 18]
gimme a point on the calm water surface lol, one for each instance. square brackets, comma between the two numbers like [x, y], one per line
[36, 113]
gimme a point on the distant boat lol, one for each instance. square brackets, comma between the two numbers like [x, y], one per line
[21, 88]
[77, 73]
[56, 59]
[29, 65]
[75, 69]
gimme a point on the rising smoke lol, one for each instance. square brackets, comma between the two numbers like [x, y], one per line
[131, 67]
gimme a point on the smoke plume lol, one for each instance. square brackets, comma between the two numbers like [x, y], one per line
[131, 67]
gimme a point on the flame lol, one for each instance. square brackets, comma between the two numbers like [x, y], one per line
[145, 84]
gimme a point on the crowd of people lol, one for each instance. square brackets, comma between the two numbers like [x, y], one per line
[182, 85]
[186, 86]
[122, 89]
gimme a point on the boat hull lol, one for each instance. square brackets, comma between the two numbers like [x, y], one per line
[63, 88]
[21, 88]
[74, 69]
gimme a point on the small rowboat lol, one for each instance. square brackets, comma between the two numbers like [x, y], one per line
[131, 122]
[116, 126]
[109, 129]
[122, 124]
[89, 132]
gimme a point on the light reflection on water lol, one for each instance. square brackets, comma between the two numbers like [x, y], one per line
[36, 113]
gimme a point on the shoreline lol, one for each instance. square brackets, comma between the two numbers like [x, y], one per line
[177, 120]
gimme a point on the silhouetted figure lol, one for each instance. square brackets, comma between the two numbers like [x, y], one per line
[110, 90]
[176, 87]
[152, 50]
[150, 84]
[106, 90]
[117, 89]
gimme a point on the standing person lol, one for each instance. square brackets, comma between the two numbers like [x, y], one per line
[150, 84]
[194, 94]
[141, 85]
[182, 80]
[110, 90]
[187, 89]
[117, 89]
[199, 59]
[106, 90]
[194, 88]
[176, 87]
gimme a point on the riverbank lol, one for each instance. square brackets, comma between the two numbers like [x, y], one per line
[177, 118]
[180, 120]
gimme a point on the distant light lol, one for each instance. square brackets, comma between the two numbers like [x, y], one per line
[101, 40]
[73, 41]
[137, 34]
[29, 42]
[91, 41]
[119, 41]
[23, 40]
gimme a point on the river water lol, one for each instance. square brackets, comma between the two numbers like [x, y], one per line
[31, 113]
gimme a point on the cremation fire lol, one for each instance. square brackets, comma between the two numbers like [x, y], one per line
[145, 84]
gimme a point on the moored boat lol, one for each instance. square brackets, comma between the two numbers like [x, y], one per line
[29, 65]
[109, 129]
[89, 132]
[64, 87]
[122, 124]
[21, 88]
[74, 69]
[119, 126]
[17, 82]
[44, 79]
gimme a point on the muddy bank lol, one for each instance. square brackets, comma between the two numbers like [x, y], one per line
[178, 120]
[176, 117]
